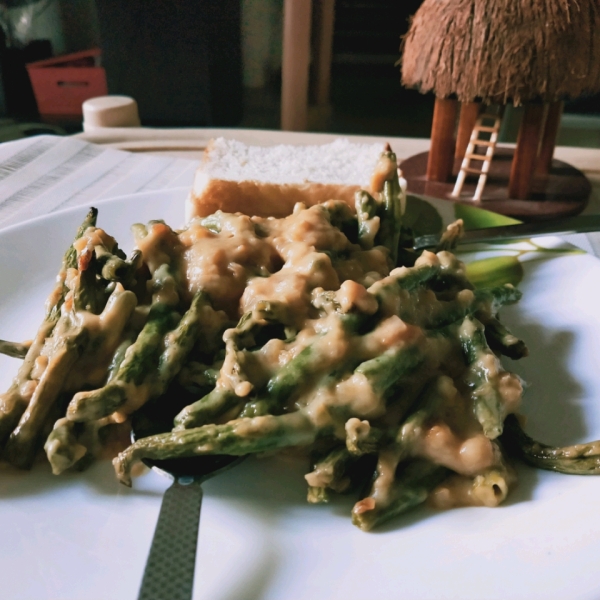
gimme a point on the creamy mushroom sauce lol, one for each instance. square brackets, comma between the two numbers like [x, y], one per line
[305, 265]
[242, 261]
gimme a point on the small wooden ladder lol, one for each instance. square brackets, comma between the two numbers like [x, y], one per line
[482, 125]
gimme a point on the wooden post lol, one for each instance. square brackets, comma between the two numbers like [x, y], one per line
[469, 111]
[551, 125]
[441, 153]
[296, 58]
[323, 49]
[526, 153]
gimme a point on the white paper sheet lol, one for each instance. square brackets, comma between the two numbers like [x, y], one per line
[42, 174]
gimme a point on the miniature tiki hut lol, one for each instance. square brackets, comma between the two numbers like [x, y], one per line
[474, 53]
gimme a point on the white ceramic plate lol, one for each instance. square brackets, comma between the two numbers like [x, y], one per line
[85, 537]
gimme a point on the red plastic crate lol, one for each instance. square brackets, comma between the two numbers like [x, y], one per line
[63, 83]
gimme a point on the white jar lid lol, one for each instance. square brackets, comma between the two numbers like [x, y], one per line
[110, 111]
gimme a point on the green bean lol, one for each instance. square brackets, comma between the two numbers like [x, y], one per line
[488, 404]
[366, 206]
[409, 489]
[490, 487]
[115, 267]
[89, 295]
[14, 349]
[368, 221]
[405, 278]
[409, 431]
[270, 401]
[139, 231]
[208, 408]
[438, 272]
[75, 445]
[386, 370]
[223, 398]
[264, 313]
[391, 213]
[484, 302]
[330, 472]
[383, 372]
[197, 375]
[353, 322]
[15, 400]
[579, 459]
[213, 222]
[180, 342]
[141, 359]
[247, 334]
[326, 302]
[62, 446]
[292, 377]
[257, 407]
[429, 401]
[70, 257]
[496, 297]
[450, 236]
[342, 217]
[361, 437]
[293, 374]
[71, 340]
[237, 437]
[317, 495]
[278, 389]
[120, 353]
[501, 340]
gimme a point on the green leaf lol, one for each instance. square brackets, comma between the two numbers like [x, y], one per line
[421, 217]
[495, 271]
[476, 218]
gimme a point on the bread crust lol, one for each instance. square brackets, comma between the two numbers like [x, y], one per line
[264, 199]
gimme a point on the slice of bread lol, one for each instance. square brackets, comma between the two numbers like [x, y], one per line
[269, 181]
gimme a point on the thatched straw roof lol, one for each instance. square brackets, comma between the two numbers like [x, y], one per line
[504, 50]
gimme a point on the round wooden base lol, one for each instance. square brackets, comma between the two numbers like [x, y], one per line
[561, 193]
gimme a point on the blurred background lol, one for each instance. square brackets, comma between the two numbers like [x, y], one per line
[192, 63]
